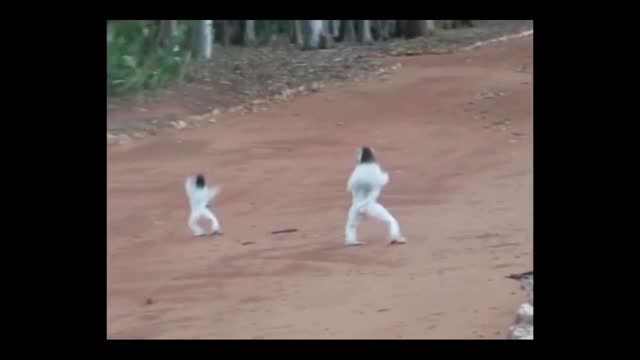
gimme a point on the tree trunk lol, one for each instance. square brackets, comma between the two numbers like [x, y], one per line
[249, 32]
[292, 31]
[312, 33]
[298, 31]
[274, 31]
[203, 48]
[389, 27]
[227, 31]
[336, 28]
[326, 39]
[447, 24]
[208, 38]
[349, 31]
[413, 28]
[431, 26]
[168, 28]
[366, 32]
[379, 30]
[401, 28]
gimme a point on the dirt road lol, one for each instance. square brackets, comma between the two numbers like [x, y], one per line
[455, 133]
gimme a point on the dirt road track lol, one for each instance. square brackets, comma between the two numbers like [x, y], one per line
[460, 167]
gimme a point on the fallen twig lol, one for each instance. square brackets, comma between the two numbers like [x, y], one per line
[520, 276]
[284, 231]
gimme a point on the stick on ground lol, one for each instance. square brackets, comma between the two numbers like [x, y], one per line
[284, 231]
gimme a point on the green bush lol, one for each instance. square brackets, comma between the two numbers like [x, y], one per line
[135, 59]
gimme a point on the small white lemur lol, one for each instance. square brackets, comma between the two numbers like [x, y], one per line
[365, 183]
[199, 197]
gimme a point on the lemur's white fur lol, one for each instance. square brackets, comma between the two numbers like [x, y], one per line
[365, 184]
[199, 200]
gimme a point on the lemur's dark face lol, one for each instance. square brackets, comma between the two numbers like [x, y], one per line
[200, 183]
[365, 155]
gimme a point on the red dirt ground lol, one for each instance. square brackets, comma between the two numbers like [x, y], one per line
[460, 187]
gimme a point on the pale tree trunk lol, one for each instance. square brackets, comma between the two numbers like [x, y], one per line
[328, 26]
[208, 38]
[316, 32]
[312, 34]
[431, 26]
[366, 32]
[250, 32]
[349, 31]
[336, 28]
[204, 39]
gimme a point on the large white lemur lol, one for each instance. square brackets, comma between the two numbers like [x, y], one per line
[365, 183]
[200, 196]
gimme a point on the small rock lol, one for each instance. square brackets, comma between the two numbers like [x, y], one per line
[112, 139]
[525, 314]
[123, 139]
[215, 112]
[212, 120]
[522, 332]
[139, 135]
[148, 301]
[340, 124]
[180, 124]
